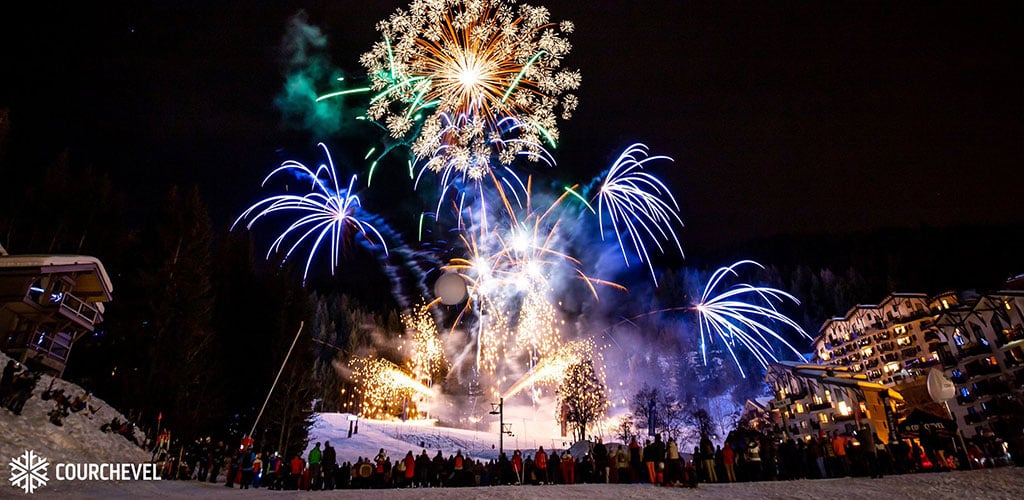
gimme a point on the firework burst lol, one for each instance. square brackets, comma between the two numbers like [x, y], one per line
[471, 78]
[638, 205]
[743, 314]
[329, 212]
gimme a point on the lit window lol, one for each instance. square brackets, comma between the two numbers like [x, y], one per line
[799, 407]
[959, 339]
[964, 392]
[844, 409]
[945, 304]
[828, 395]
[823, 417]
[957, 373]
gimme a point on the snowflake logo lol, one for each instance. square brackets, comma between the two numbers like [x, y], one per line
[28, 471]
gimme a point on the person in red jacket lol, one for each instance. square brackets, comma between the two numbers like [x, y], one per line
[541, 461]
[410, 468]
[297, 465]
[729, 460]
[517, 466]
[568, 468]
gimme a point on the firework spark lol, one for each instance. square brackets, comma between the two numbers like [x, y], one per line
[743, 314]
[384, 386]
[456, 71]
[551, 370]
[328, 212]
[427, 359]
[638, 204]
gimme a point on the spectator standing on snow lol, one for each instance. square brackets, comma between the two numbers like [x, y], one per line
[410, 468]
[423, 469]
[329, 465]
[314, 466]
[257, 470]
[541, 462]
[634, 460]
[601, 460]
[707, 455]
[8, 378]
[296, 468]
[729, 462]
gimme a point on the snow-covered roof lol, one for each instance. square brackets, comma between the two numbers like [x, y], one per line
[42, 261]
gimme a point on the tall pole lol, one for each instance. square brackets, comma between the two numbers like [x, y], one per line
[286, 356]
[501, 426]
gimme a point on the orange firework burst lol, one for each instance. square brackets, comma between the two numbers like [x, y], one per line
[487, 77]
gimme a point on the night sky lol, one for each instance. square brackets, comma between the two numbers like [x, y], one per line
[782, 117]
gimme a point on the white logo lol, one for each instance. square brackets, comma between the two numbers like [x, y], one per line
[28, 471]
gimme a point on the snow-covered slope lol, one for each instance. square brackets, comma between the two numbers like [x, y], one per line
[79, 440]
[398, 438]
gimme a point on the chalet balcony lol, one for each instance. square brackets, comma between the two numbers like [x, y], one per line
[993, 388]
[844, 418]
[980, 369]
[79, 311]
[973, 349]
[974, 418]
[1010, 335]
[824, 405]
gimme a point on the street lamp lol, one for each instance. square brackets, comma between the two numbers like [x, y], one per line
[503, 428]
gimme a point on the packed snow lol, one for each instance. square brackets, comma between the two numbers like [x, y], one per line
[80, 438]
[994, 484]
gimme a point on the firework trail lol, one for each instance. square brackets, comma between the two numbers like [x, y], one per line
[743, 314]
[329, 212]
[639, 207]
[472, 79]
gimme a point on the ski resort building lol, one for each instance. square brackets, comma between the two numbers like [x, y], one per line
[975, 340]
[47, 303]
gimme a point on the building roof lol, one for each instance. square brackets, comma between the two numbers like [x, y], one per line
[99, 284]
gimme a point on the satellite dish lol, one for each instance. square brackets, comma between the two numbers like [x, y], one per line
[940, 387]
[450, 288]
